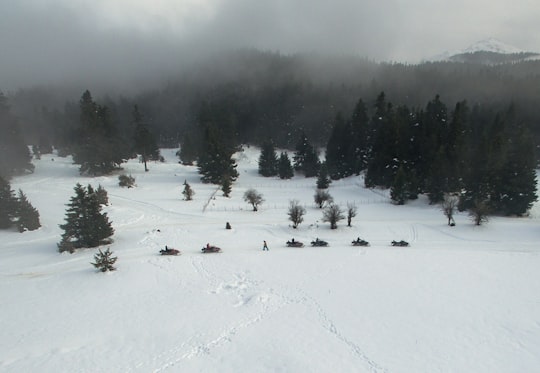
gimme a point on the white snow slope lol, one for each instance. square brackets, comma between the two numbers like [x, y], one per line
[459, 299]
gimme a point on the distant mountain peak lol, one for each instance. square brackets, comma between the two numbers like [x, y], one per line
[487, 51]
[491, 45]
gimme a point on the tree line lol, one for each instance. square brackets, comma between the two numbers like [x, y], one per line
[482, 156]
[270, 94]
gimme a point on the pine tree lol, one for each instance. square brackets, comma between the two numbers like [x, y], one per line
[268, 160]
[518, 176]
[436, 184]
[216, 162]
[306, 158]
[15, 157]
[398, 191]
[187, 192]
[360, 136]
[98, 147]
[323, 180]
[340, 157]
[226, 186]
[476, 174]
[102, 195]
[285, 169]
[104, 261]
[382, 158]
[8, 204]
[28, 216]
[126, 181]
[144, 141]
[188, 150]
[86, 225]
[311, 163]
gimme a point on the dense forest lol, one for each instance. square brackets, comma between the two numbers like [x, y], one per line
[430, 128]
[269, 93]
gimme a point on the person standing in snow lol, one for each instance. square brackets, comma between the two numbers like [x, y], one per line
[265, 246]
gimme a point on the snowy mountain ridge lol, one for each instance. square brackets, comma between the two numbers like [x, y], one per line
[487, 51]
[491, 45]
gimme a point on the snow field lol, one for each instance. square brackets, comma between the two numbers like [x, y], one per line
[459, 299]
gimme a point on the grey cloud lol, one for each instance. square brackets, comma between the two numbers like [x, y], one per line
[80, 43]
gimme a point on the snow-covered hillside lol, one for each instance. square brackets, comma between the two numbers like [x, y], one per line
[492, 45]
[459, 299]
[487, 51]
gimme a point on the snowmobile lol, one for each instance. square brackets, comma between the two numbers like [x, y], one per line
[400, 243]
[211, 249]
[318, 242]
[360, 242]
[293, 243]
[169, 251]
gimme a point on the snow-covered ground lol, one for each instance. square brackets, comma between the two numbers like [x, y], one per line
[459, 299]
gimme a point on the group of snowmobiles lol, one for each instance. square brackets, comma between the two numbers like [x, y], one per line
[206, 249]
[292, 243]
[358, 242]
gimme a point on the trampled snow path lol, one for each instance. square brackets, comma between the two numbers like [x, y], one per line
[265, 301]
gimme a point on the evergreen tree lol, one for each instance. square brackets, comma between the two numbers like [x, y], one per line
[476, 174]
[126, 181]
[435, 121]
[101, 195]
[268, 160]
[86, 225]
[188, 150]
[311, 164]
[306, 158]
[398, 191]
[104, 261]
[285, 169]
[360, 134]
[454, 147]
[216, 162]
[518, 176]
[435, 185]
[28, 216]
[144, 141]
[340, 157]
[15, 157]
[8, 204]
[323, 180]
[226, 186]
[382, 161]
[99, 149]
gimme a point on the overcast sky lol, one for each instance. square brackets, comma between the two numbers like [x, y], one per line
[42, 41]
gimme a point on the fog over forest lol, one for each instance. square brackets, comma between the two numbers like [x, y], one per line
[120, 46]
[299, 63]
